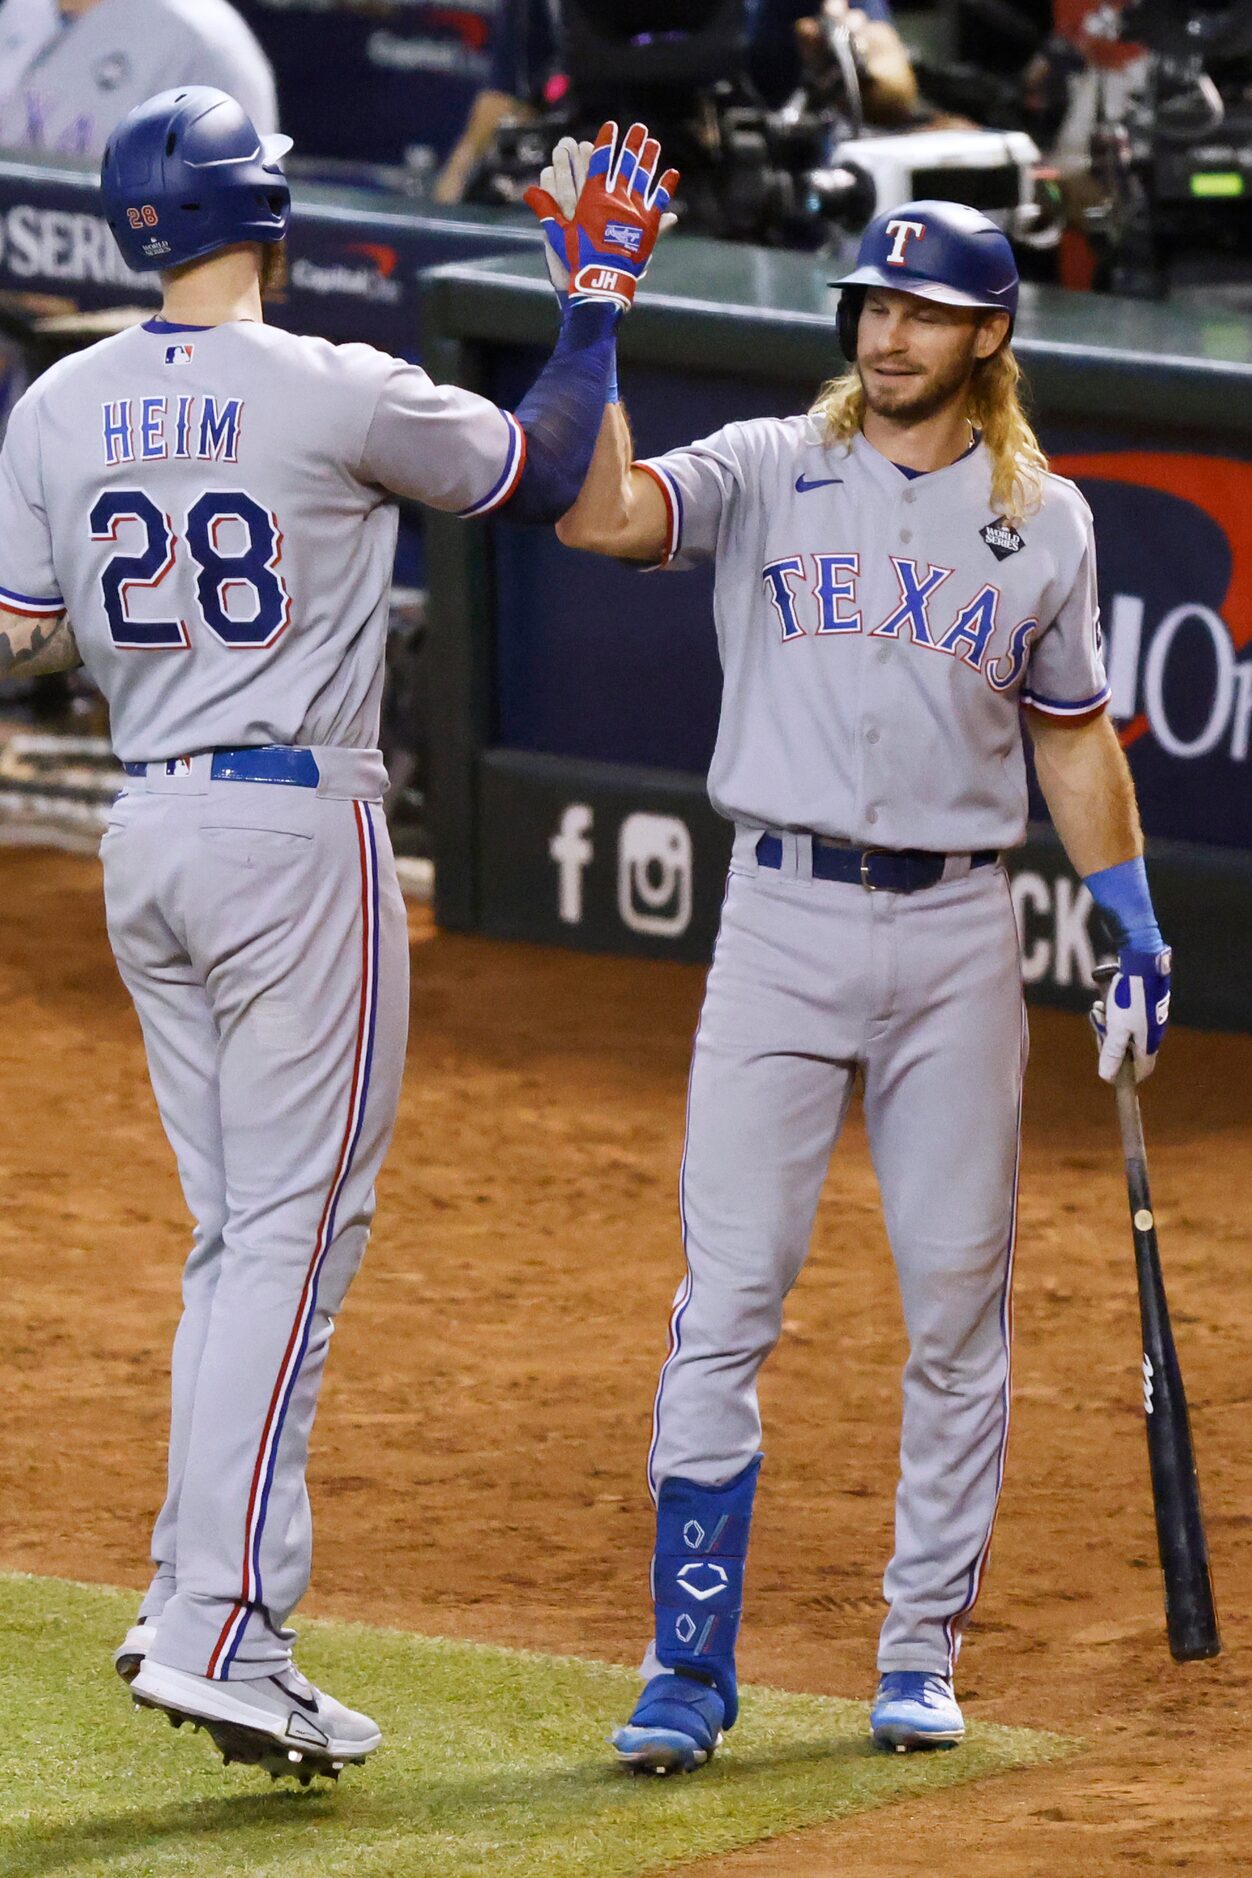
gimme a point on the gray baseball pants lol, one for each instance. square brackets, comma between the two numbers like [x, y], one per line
[261, 933]
[813, 981]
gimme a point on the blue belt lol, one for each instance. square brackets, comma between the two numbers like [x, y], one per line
[878, 870]
[267, 763]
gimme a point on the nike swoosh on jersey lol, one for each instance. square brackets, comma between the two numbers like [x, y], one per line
[823, 482]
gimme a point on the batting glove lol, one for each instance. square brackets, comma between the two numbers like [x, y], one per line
[561, 181]
[601, 223]
[1134, 1011]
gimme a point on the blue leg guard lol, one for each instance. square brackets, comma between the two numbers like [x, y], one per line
[697, 1579]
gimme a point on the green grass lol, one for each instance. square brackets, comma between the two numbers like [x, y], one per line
[493, 1762]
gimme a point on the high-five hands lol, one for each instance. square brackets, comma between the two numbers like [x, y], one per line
[603, 211]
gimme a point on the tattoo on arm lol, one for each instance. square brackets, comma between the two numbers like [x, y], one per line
[31, 647]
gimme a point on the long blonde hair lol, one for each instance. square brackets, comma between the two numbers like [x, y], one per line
[994, 407]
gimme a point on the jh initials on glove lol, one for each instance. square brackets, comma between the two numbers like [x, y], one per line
[599, 245]
[1134, 1012]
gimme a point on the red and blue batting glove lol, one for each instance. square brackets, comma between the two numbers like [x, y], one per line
[602, 248]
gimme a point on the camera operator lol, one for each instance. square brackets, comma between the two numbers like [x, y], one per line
[524, 60]
[789, 43]
[1088, 72]
[888, 85]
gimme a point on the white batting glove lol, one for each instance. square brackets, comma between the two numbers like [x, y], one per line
[563, 180]
[1133, 1014]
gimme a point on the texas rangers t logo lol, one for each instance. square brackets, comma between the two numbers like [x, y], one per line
[900, 231]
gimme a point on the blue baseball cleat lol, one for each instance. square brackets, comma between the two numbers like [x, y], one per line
[676, 1727]
[915, 1709]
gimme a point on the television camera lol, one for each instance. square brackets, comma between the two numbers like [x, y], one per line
[792, 173]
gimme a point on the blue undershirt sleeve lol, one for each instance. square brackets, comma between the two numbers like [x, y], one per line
[1122, 895]
[562, 412]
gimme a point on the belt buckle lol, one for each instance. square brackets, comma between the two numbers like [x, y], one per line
[867, 855]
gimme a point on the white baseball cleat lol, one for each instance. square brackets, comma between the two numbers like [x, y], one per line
[280, 1723]
[916, 1709]
[129, 1655]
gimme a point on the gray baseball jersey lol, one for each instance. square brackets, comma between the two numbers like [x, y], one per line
[65, 84]
[878, 634]
[212, 509]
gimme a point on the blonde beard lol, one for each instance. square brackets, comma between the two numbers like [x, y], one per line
[994, 406]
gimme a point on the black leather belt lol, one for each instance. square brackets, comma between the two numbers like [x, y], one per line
[878, 870]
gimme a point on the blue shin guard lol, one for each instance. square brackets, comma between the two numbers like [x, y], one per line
[697, 1578]
[697, 1589]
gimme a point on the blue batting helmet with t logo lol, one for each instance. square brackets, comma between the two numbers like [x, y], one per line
[938, 250]
[187, 173]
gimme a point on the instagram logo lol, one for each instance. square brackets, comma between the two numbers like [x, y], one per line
[654, 875]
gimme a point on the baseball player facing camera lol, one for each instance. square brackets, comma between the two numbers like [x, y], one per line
[901, 587]
[202, 511]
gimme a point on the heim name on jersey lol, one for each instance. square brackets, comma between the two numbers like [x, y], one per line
[152, 430]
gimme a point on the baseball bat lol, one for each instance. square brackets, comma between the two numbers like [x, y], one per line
[1190, 1611]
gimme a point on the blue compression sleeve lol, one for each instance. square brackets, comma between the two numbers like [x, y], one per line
[1121, 893]
[561, 414]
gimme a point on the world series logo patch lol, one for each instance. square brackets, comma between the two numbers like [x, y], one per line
[1001, 539]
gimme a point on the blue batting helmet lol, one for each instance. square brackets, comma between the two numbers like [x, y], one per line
[938, 250]
[187, 173]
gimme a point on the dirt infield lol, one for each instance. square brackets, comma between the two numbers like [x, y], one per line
[478, 1461]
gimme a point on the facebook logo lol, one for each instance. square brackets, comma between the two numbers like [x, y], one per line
[572, 850]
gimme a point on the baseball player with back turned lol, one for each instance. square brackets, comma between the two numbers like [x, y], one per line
[900, 585]
[201, 510]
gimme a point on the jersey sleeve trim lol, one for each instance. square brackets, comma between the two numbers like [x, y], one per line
[510, 475]
[31, 607]
[1060, 707]
[673, 506]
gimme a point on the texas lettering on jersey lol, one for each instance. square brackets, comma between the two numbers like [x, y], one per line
[878, 632]
[824, 606]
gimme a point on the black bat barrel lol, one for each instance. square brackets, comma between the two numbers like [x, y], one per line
[1190, 1611]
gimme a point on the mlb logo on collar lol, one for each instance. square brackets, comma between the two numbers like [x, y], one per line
[179, 355]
